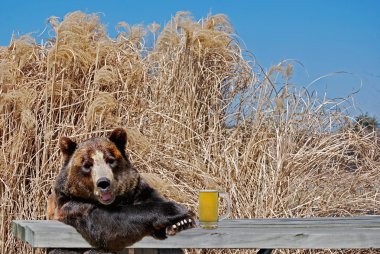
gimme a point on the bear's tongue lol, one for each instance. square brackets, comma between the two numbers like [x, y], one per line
[105, 197]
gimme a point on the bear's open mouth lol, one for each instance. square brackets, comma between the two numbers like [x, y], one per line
[106, 198]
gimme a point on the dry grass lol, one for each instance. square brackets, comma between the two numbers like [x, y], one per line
[199, 115]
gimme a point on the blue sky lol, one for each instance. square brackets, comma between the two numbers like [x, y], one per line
[326, 36]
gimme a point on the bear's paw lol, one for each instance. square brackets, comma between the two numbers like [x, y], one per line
[180, 225]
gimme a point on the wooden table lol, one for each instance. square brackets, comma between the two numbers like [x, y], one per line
[294, 233]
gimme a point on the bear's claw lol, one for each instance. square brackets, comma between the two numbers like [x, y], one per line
[179, 226]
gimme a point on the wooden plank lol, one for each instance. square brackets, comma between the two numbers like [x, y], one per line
[315, 222]
[44, 233]
[308, 233]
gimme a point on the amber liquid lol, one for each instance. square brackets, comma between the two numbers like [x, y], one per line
[208, 208]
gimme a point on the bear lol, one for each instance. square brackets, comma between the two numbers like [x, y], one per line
[100, 193]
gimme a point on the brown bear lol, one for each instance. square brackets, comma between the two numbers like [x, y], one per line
[101, 194]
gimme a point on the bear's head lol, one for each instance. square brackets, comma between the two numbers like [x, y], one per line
[97, 170]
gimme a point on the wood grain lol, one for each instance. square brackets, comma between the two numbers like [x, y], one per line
[307, 233]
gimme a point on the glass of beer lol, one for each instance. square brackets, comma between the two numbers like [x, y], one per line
[209, 206]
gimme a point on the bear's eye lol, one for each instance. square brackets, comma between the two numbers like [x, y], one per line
[86, 167]
[112, 161]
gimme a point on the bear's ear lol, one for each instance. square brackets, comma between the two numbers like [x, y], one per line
[67, 147]
[119, 138]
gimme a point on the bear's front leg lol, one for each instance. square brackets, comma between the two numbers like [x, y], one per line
[114, 229]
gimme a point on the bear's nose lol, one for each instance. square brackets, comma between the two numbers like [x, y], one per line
[103, 184]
